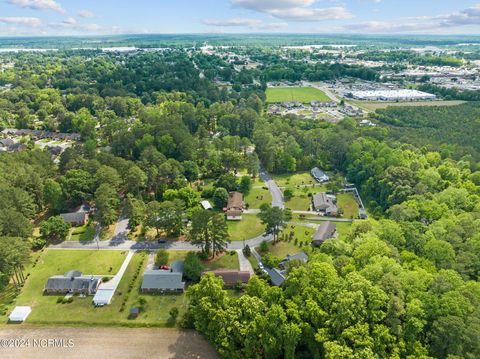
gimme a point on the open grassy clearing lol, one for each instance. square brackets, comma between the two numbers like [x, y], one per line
[298, 234]
[377, 105]
[347, 202]
[296, 179]
[301, 94]
[249, 227]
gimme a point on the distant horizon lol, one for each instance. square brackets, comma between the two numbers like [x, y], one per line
[32, 18]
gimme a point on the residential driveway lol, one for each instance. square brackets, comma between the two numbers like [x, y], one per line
[106, 343]
[277, 196]
[121, 230]
[245, 265]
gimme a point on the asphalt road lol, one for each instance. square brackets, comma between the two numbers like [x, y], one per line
[120, 239]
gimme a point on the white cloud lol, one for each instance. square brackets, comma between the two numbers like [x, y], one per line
[86, 13]
[38, 5]
[24, 21]
[466, 17]
[294, 10]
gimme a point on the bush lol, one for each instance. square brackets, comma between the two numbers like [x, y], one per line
[192, 267]
[161, 258]
[39, 243]
[264, 246]
[174, 313]
[247, 251]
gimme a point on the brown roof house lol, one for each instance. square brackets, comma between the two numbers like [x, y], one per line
[235, 206]
[232, 277]
[326, 231]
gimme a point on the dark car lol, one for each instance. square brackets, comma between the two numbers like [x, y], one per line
[162, 241]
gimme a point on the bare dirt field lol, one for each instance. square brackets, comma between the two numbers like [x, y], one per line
[106, 343]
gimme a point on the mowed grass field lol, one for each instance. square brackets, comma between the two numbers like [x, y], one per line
[301, 94]
[378, 105]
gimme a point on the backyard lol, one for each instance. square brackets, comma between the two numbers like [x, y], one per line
[257, 196]
[347, 202]
[301, 94]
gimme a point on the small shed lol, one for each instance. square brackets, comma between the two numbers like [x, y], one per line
[20, 314]
[134, 313]
[206, 205]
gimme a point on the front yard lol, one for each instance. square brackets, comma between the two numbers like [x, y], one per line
[84, 233]
[249, 227]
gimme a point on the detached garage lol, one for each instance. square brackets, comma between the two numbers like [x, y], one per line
[20, 314]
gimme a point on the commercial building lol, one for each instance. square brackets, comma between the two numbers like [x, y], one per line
[393, 95]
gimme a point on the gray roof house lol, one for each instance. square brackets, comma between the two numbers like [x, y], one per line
[159, 281]
[326, 231]
[72, 282]
[75, 218]
[325, 203]
[277, 277]
[319, 175]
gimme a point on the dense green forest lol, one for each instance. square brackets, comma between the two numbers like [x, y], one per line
[403, 284]
[450, 130]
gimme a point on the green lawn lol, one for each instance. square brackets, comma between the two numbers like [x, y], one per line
[301, 94]
[225, 261]
[301, 234]
[154, 308]
[45, 309]
[281, 249]
[300, 200]
[295, 179]
[248, 228]
[83, 233]
[257, 196]
[377, 105]
[347, 202]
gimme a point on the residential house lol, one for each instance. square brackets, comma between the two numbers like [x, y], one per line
[300, 256]
[161, 281]
[232, 277]
[326, 231]
[72, 282]
[325, 203]
[235, 206]
[319, 175]
[75, 219]
[277, 277]
[6, 142]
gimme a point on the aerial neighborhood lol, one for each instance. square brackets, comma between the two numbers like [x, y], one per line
[224, 195]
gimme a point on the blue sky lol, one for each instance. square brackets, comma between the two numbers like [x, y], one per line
[84, 17]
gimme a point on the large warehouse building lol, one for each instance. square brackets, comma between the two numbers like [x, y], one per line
[393, 95]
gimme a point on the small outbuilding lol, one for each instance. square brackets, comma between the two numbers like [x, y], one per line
[134, 313]
[20, 314]
[206, 205]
